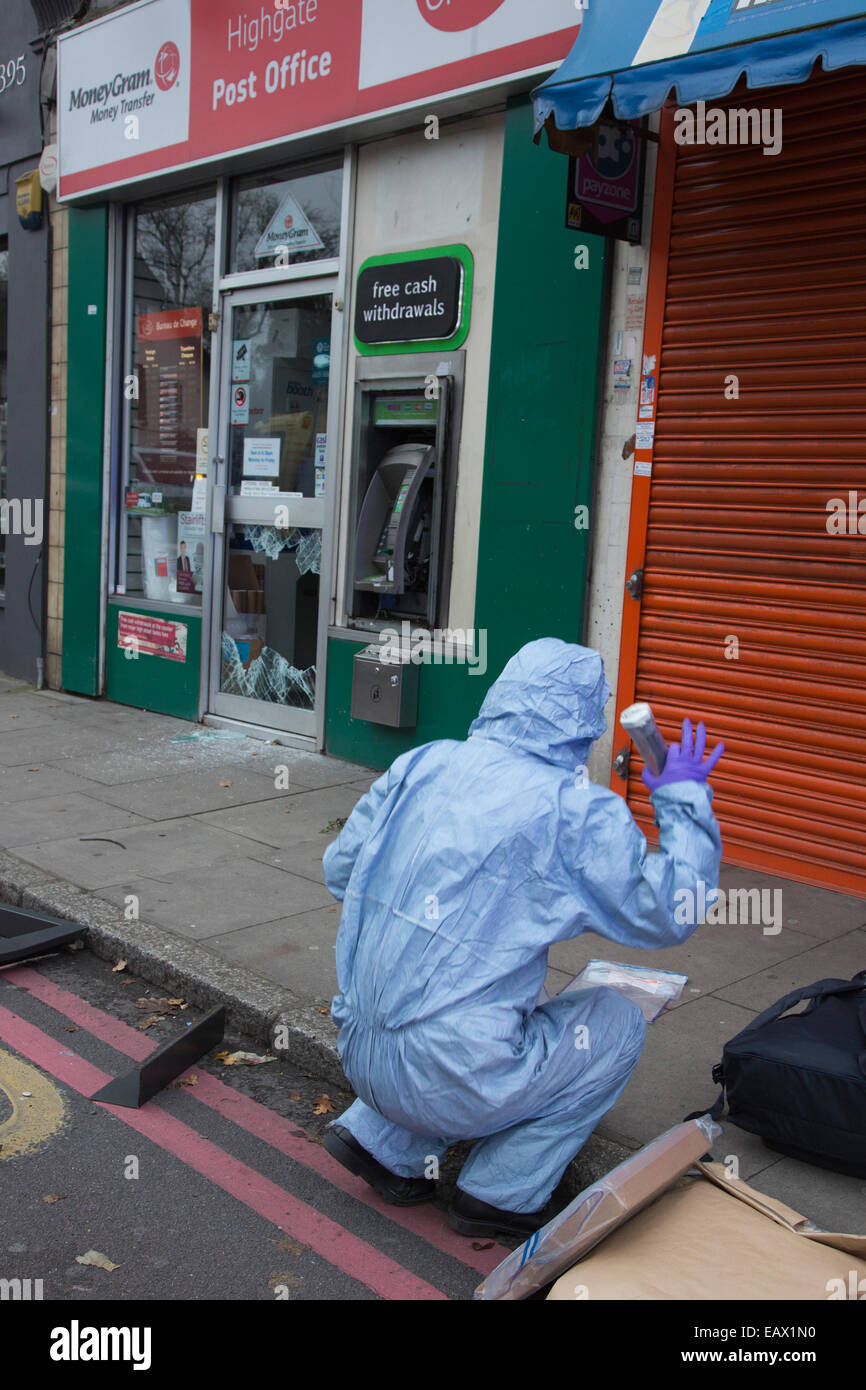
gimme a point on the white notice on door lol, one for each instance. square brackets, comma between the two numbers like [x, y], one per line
[261, 458]
[252, 487]
[241, 356]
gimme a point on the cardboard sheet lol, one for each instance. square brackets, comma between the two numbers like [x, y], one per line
[712, 1237]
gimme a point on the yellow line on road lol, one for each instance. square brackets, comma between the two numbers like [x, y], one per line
[38, 1108]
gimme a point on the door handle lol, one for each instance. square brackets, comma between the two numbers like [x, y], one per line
[218, 510]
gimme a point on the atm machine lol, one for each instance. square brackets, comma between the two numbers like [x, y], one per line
[408, 410]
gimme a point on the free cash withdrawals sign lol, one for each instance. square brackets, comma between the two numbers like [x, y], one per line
[169, 83]
[408, 301]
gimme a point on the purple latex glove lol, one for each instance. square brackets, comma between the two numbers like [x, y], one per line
[685, 763]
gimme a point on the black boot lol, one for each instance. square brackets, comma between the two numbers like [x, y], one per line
[400, 1192]
[472, 1217]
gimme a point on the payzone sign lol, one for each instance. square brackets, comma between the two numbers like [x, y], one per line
[169, 83]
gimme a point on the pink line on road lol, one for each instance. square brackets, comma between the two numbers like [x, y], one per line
[257, 1119]
[339, 1247]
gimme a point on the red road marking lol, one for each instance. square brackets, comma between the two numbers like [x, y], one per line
[339, 1247]
[256, 1119]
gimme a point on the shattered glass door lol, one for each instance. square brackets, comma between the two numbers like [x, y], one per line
[271, 613]
[276, 466]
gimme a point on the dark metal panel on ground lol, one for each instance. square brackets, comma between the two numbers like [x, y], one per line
[165, 1064]
[25, 934]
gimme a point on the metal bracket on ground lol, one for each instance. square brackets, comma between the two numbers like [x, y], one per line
[165, 1064]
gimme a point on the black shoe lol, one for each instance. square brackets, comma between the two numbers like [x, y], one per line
[400, 1192]
[472, 1217]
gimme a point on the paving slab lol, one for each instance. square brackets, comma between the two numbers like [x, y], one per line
[304, 857]
[52, 817]
[202, 902]
[314, 770]
[674, 1075]
[712, 958]
[834, 1201]
[837, 959]
[139, 852]
[19, 712]
[139, 761]
[745, 1155]
[296, 951]
[53, 740]
[137, 724]
[28, 782]
[807, 909]
[287, 821]
[188, 792]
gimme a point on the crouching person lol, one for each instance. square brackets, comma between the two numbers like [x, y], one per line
[457, 871]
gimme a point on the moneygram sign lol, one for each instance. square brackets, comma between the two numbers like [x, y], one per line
[171, 83]
[124, 88]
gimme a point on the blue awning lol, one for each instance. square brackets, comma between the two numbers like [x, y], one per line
[636, 51]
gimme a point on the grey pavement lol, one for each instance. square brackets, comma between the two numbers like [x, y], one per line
[196, 853]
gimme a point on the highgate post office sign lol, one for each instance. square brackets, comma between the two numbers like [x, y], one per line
[170, 83]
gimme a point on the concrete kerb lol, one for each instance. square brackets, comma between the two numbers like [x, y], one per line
[254, 1005]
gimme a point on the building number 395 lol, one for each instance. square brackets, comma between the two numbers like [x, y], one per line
[12, 74]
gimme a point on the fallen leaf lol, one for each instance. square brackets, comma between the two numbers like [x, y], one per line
[157, 1006]
[54, 1197]
[149, 1022]
[70, 1028]
[244, 1059]
[482, 1245]
[121, 965]
[180, 1002]
[324, 1105]
[291, 1281]
[225, 784]
[94, 1257]
[34, 769]
[186, 1081]
[289, 1246]
[323, 1011]
[295, 1095]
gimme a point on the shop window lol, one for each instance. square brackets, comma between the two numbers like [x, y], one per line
[166, 381]
[4, 319]
[286, 216]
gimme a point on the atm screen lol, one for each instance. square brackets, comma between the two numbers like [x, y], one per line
[405, 410]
